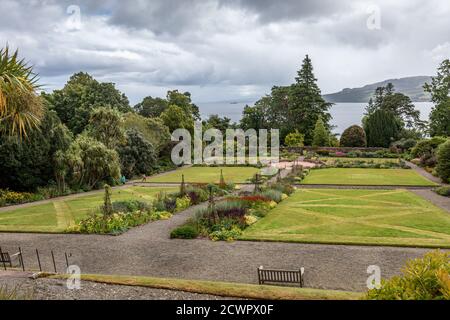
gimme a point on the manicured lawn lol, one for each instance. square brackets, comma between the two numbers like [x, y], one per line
[369, 177]
[57, 215]
[225, 289]
[369, 217]
[207, 175]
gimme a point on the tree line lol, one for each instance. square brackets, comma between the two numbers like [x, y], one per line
[87, 133]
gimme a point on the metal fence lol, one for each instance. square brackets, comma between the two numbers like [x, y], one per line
[34, 260]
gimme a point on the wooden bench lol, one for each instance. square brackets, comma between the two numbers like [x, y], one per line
[7, 260]
[273, 276]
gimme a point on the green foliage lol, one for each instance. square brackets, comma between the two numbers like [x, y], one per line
[382, 128]
[295, 107]
[107, 208]
[440, 91]
[137, 155]
[354, 136]
[26, 165]
[216, 122]
[116, 223]
[90, 162]
[176, 118]
[8, 197]
[130, 206]
[105, 125]
[153, 130]
[403, 145]
[182, 203]
[427, 278]
[82, 94]
[21, 109]
[151, 107]
[443, 191]
[427, 146]
[398, 104]
[294, 139]
[443, 161]
[273, 194]
[321, 136]
[226, 234]
[440, 119]
[184, 232]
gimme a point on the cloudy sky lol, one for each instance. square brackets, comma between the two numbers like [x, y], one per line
[226, 49]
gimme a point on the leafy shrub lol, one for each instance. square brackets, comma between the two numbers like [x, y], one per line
[197, 195]
[354, 136]
[443, 191]
[427, 146]
[182, 203]
[404, 145]
[170, 204]
[234, 210]
[8, 197]
[427, 278]
[250, 219]
[443, 161]
[273, 195]
[184, 232]
[130, 206]
[115, 223]
[323, 153]
[227, 232]
[283, 188]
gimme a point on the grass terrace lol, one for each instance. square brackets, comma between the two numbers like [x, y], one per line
[363, 217]
[206, 175]
[55, 216]
[366, 177]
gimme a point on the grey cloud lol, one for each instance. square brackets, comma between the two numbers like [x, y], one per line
[273, 11]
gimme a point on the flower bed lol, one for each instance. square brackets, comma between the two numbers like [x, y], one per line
[118, 217]
[226, 219]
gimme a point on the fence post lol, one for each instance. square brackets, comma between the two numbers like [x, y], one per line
[67, 260]
[3, 260]
[54, 264]
[39, 260]
[21, 259]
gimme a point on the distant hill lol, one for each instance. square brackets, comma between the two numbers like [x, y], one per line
[410, 86]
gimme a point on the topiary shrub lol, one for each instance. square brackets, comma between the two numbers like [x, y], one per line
[443, 161]
[422, 279]
[354, 136]
[184, 232]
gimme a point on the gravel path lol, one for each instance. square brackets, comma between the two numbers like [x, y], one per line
[54, 289]
[440, 201]
[147, 250]
[424, 173]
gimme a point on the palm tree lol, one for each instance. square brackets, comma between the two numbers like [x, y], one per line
[21, 109]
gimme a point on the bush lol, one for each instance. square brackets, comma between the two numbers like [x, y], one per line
[183, 203]
[273, 195]
[130, 206]
[184, 232]
[421, 279]
[115, 223]
[443, 161]
[354, 136]
[427, 146]
[443, 191]
[8, 197]
[403, 145]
